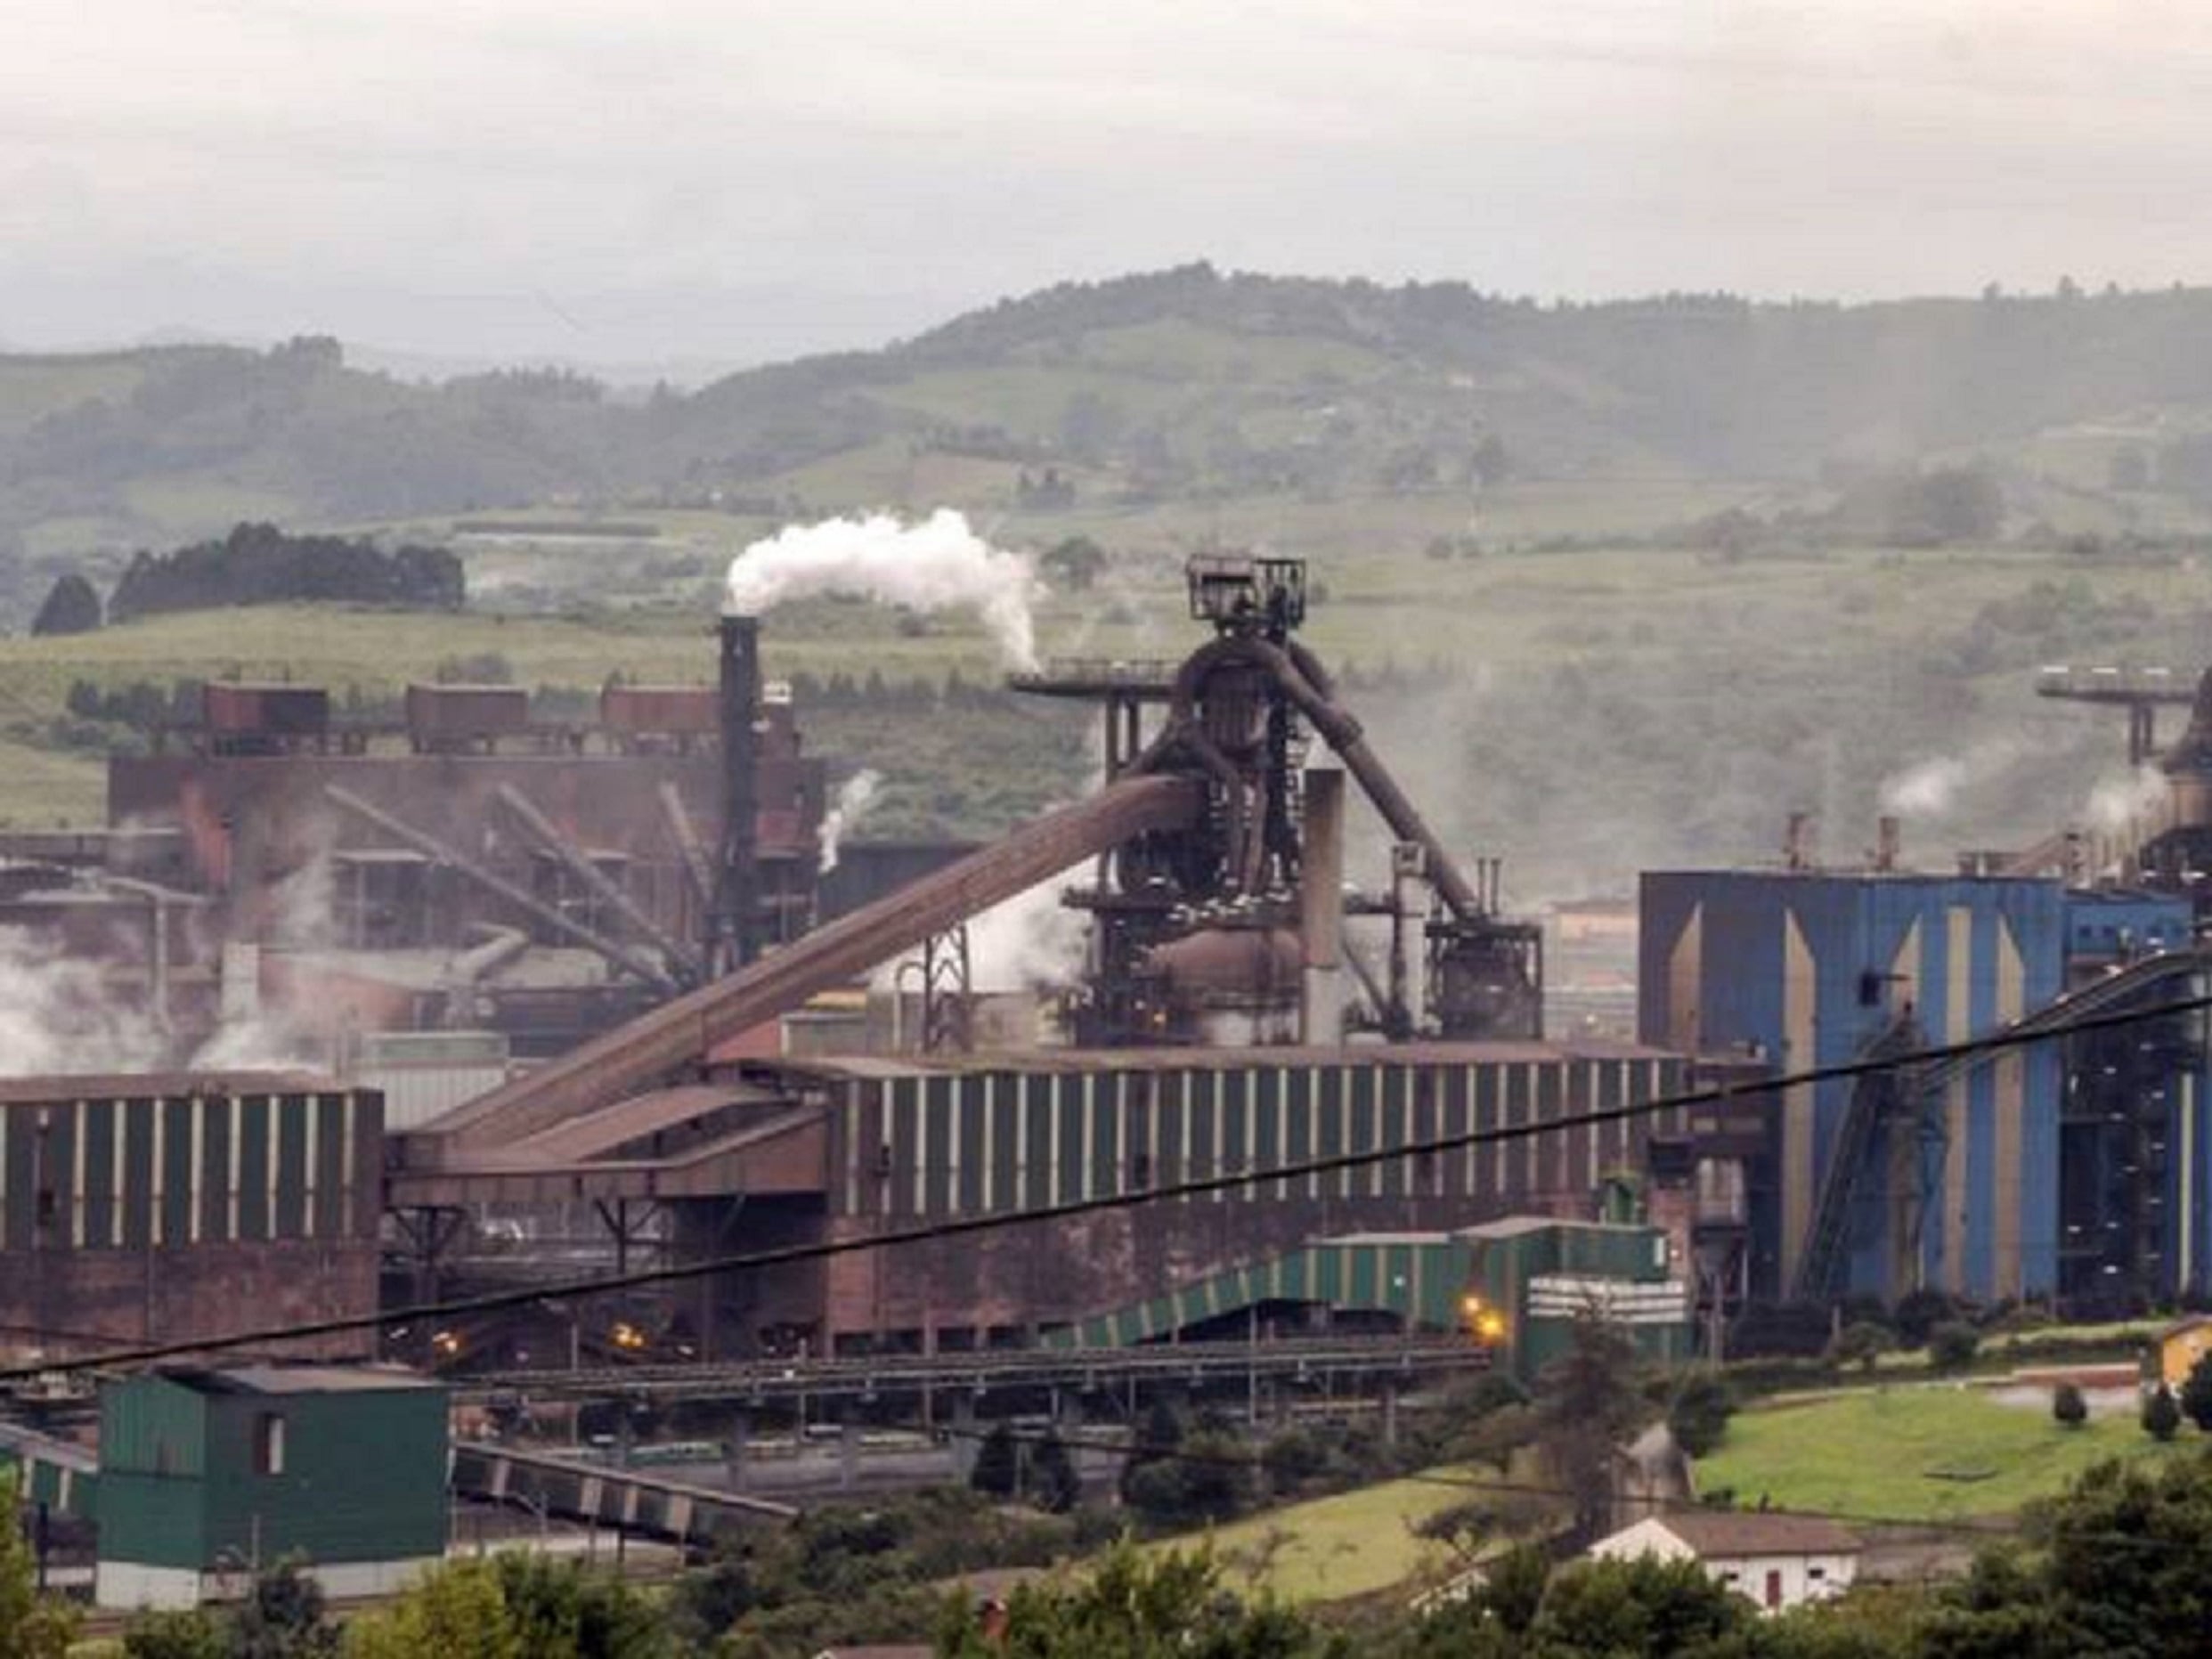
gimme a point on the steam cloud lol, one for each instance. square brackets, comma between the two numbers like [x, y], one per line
[931, 566]
[854, 796]
[2121, 805]
[1026, 942]
[61, 1015]
[1930, 789]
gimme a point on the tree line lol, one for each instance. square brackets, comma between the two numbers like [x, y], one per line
[260, 564]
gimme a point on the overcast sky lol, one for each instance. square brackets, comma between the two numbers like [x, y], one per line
[725, 181]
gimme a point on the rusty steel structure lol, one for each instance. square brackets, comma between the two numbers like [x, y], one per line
[2167, 844]
[639, 847]
[679, 1036]
[1214, 1024]
[1238, 714]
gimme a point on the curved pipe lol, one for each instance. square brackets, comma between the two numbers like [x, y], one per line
[1184, 733]
[1345, 736]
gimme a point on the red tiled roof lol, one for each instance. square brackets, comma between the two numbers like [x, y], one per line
[1758, 1532]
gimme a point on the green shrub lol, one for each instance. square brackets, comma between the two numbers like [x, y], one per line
[1953, 1345]
[2161, 1414]
[2068, 1407]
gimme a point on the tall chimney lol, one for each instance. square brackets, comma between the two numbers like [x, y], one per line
[738, 893]
[1321, 909]
[1887, 840]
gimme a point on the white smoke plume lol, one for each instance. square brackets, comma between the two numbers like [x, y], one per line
[2120, 805]
[1932, 788]
[1029, 942]
[61, 1015]
[265, 1042]
[931, 565]
[854, 796]
[303, 905]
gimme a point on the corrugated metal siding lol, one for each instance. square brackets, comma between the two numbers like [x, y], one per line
[986, 1142]
[364, 1476]
[65, 1490]
[413, 1095]
[1423, 1279]
[132, 1174]
[1420, 1280]
[154, 1450]
[1971, 955]
[2105, 924]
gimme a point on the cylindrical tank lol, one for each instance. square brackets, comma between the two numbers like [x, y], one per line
[1232, 986]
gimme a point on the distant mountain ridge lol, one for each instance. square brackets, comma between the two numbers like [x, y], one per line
[1172, 384]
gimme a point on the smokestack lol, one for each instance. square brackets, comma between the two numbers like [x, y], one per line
[1321, 909]
[738, 909]
[1797, 843]
[1887, 840]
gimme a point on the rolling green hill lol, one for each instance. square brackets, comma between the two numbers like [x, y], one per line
[1621, 571]
[1186, 393]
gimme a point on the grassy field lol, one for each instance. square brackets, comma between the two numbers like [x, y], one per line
[1499, 612]
[1912, 1452]
[47, 789]
[1335, 1549]
[1578, 672]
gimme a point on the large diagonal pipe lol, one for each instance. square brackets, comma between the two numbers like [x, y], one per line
[596, 880]
[523, 900]
[679, 1034]
[1295, 671]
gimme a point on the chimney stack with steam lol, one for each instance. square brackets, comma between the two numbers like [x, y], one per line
[737, 905]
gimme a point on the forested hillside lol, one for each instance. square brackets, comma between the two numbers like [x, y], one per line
[1176, 387]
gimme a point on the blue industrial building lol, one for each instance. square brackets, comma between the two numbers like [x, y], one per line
[2077, 1166]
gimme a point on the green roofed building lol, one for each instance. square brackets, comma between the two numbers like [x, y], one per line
[206, 1475]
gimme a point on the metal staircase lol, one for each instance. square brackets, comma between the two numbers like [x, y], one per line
[1878, 1098]
[1908, 1098]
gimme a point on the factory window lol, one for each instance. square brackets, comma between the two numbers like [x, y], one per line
[1141, 1171]
[269, 1443]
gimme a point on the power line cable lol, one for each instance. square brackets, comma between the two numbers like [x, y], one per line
[963, 1226]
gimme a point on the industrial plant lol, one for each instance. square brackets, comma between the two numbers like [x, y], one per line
[485, 999]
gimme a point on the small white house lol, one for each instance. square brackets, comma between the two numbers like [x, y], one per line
[1779, 1561]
